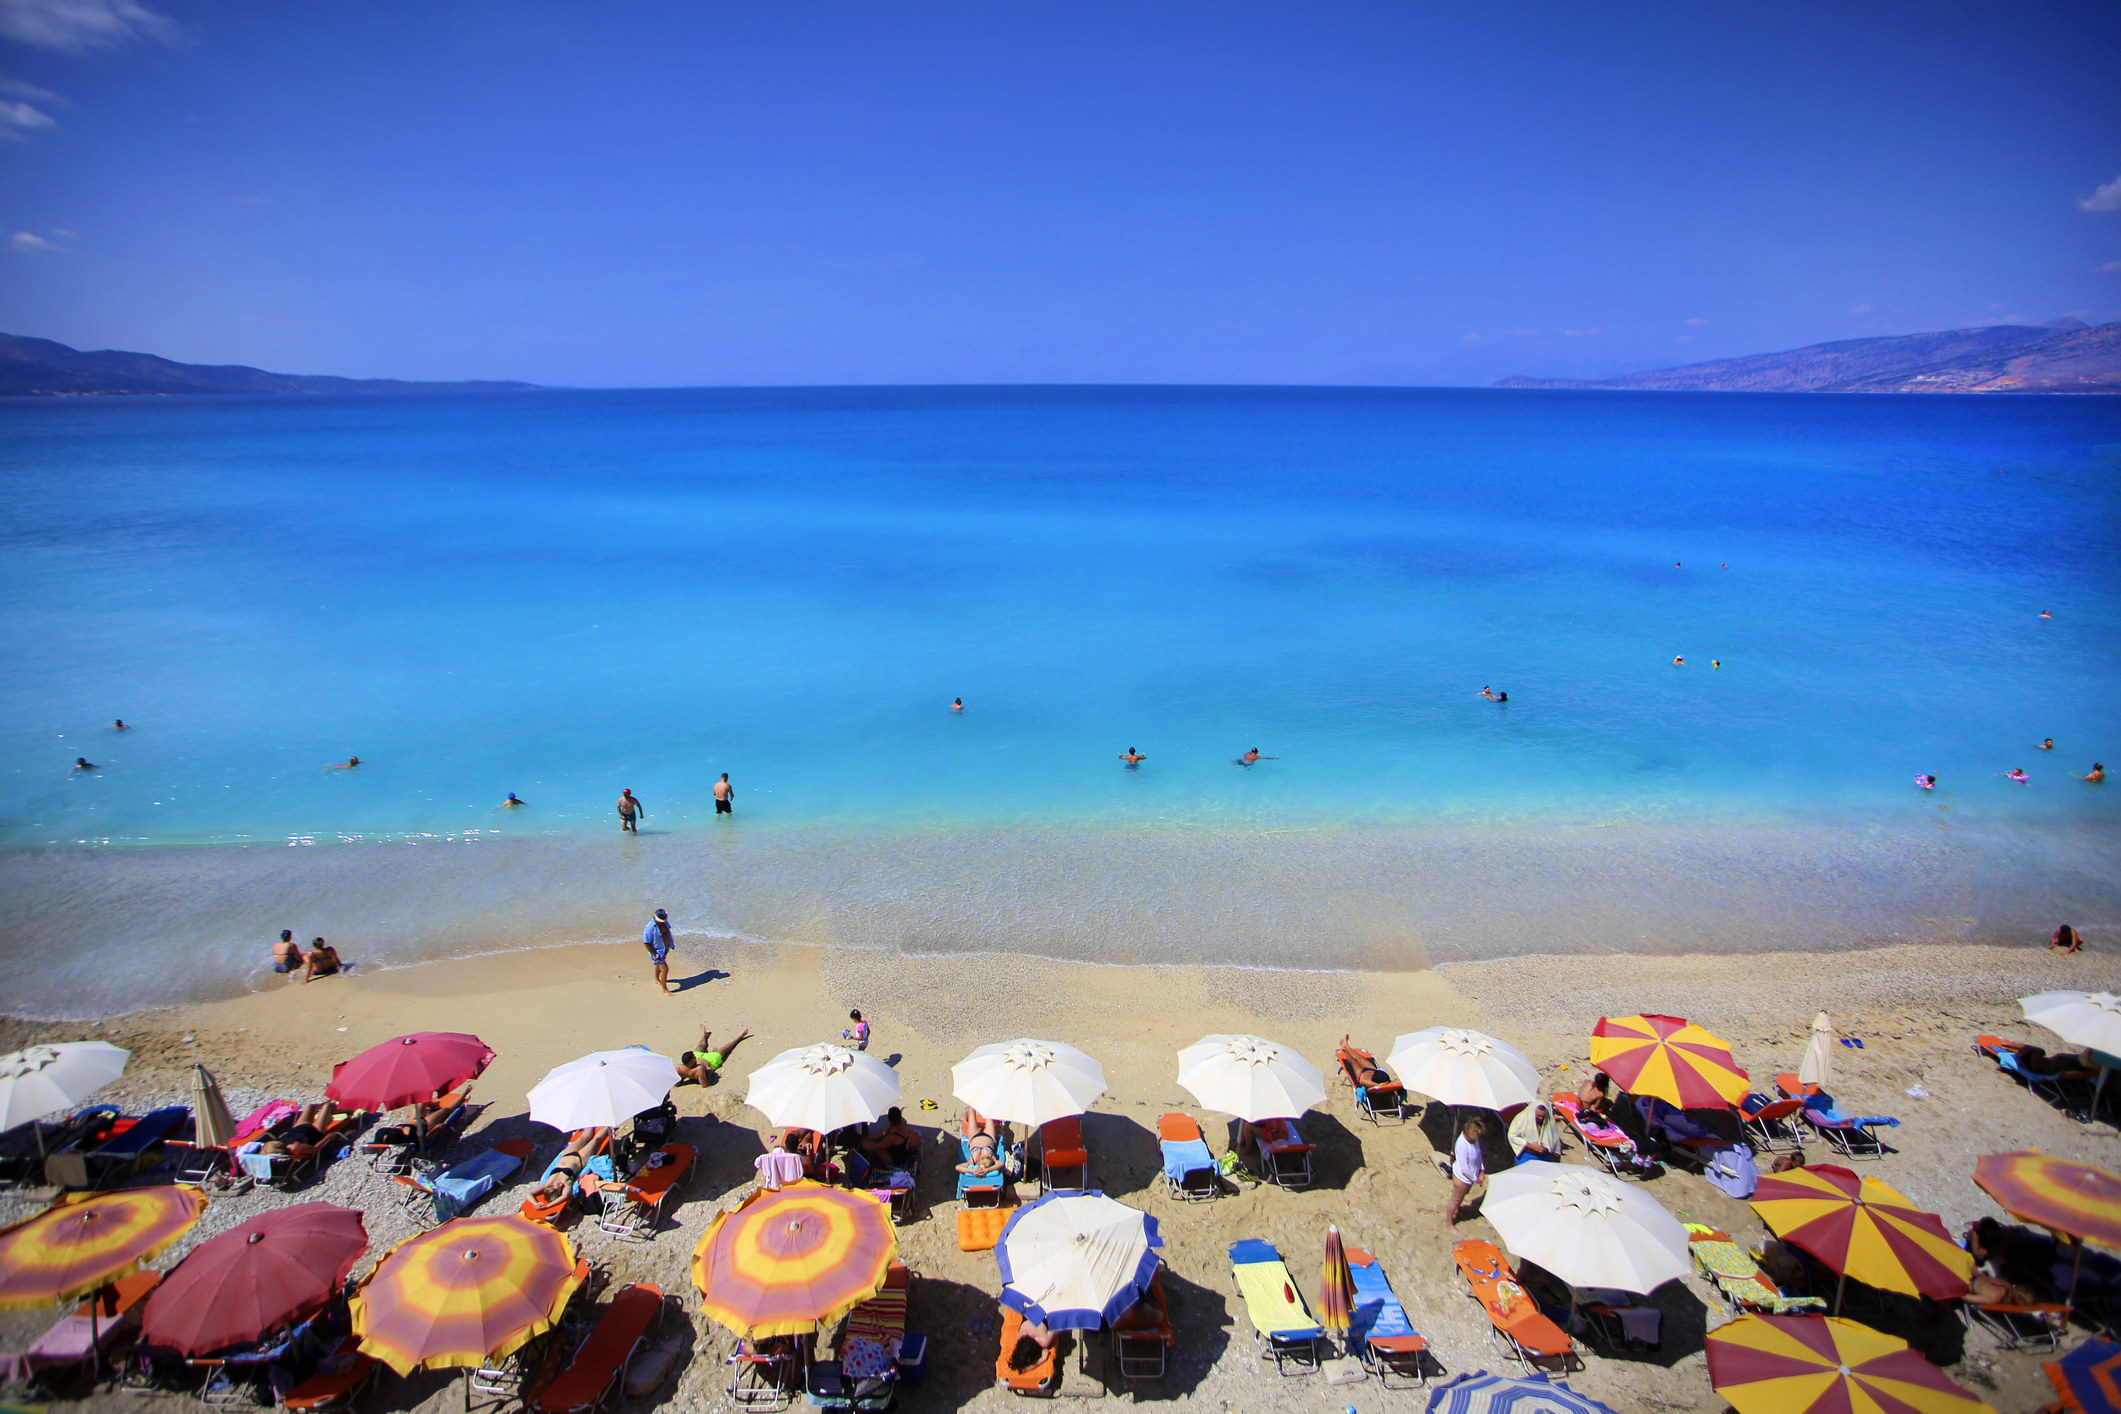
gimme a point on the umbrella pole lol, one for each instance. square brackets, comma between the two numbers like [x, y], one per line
[1840, 1283]
[2074, 1268]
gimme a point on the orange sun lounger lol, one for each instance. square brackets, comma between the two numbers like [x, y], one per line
[1039, 1378]
[650, 1194]
[1384, 1100]
[601, 1360]
[1064, 1159]
[1514, 1318]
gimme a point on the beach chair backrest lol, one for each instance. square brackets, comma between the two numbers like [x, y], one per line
[1176, 1128]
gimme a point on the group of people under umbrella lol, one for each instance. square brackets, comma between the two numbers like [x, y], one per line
[792, 1259]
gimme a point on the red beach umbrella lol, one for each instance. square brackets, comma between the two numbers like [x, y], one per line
[253, 1278]
[408, 1070]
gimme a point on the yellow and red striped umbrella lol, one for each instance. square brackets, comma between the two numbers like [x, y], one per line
[1864, 1228]
[1668, 1057]
[1826, 1365]
[465, 1292]
[2060, 1194]
[87, 1240]
[1336, 1288]
[784, 1260]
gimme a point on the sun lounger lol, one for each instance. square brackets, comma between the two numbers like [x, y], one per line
[765, 1379]
[597, 1166]
[1608, 1147]
[119, 1155]
[650, 1194]
[1189, 1168]
[334, 1389]
[1848, 1135]
[392, 1149]
[1384, 1100]
[1515, 1321]
[2016, 1327]
[1378, 1328]
[2055, 1089]
[450, 1193]
[1038, 1377]
[1770, 1124]
[1143, 1349]
[1284, 1158]
[1738, 1276]
[1789, 1087]
[1064, 1160]
[1282, 1328]
[600, 1362]
[290, 1170]
[874, 1334]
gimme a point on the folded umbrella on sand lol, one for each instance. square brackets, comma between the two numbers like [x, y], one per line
[1028, 1082]
[824, 1087]
[1455, 1066]
[1250, 1077]
[1817, 1067]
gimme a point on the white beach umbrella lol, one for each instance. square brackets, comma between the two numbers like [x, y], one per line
[602, 1090]
[823, 1087]
[1461, 1067]
[43, 1080]
[2090, 1019]
[1028, 1082]
[1586, 1227]
[1817, 1067]
[1249, 1077]
[1073, 1261]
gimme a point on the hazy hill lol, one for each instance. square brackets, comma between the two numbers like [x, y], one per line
[39, 366]
[2062, 357]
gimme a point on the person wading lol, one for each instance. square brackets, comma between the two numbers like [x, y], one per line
[629, 811]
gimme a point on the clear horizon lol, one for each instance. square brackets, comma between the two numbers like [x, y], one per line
[638, 197]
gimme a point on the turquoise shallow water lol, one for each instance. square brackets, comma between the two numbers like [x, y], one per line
[563, 593]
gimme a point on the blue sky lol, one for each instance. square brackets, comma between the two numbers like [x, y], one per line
[695, 192]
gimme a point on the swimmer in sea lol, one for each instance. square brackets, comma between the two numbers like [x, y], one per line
[2016, 773]
[1678, 662]
[512, 803]
[957, 704]
[2048, 745]
[1502, 697]
[347, 765]
[1488, 692]
[1715, 662]
[1253, 755]
[2096, 774]
[2045, 614]
[1926, 782]
[82, 763]
[119, 726]
[1132, 757]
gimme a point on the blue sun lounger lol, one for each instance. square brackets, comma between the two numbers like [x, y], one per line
[122, 1157]
[1282, 1328]
[1379, 1330]
[1848, 1135]
[1189, 1165]
[979, 1190]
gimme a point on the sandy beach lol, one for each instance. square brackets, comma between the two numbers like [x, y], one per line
[1916, 1009]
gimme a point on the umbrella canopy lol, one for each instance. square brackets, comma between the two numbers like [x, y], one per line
[1826, 1365]
[1461, 1067]
[1817, 1067]
[43, 1080]
[602, 1090]
[785, 1260]
[1249, 1077]
[1670, 1058]
[234, 1288]
[824, 1087]
[86, 1240]
[1585, 1227]
[1028, 1082]
[1336, 1287]
[1076, 1260]
[2091, 1373]
[213, 1125]
[468, 1291]
[1478, 1392]
[2091, 1019]
[408, 1070]
[2060, 1194]
[1864, 1228]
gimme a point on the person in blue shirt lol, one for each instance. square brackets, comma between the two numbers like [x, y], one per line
[656, 938]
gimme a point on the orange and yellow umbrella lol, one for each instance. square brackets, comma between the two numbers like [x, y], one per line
[465, 1292]
[1668, 1057]
[785, 1260]
[1864, 1228]
[2060, 1194]
[1826, 1365]
[85, 1241]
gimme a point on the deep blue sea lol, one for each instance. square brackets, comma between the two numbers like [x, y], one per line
[565, 593]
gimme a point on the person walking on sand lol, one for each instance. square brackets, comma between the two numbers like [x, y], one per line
[629, 811]
[1468, 1168]
[656, 938]
[724, 795]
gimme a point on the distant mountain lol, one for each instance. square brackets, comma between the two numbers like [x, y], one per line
[2062, 357]
[39, 366]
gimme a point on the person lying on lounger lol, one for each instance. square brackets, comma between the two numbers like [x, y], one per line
[982, 1162]
[2037, 1061]
[1034, 1334]
[567, 1169]
[300, 1139]
[1147, 1314]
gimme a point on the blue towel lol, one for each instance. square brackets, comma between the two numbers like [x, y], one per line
[1376, 1311]
[1821, 1108]
[1184, 1156]
[470, 1181]
[599, 1164]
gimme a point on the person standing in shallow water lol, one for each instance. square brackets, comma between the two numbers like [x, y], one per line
[724, 796]
[656, 938]
[629, 811]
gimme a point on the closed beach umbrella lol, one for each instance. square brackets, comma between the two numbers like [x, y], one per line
[1460, 1067]
[232, 1289]
[602, 1090]
[469, 1291]
[85, 1241]
[1249, 1077]
[1817, 1067]
[43, 1080]
[1670, 1058]
[1336, 1289]
[785, 1260]
[823, 1087]
[1826, 1365]
[1586, 1227]
[2092, 1374]
[1478, 1392]
[408, 1070]
[213, 1125]
[1028, 1082]
[2088, 1019]
[1864, 1228]
[1074, 1261]
[2060, 1194]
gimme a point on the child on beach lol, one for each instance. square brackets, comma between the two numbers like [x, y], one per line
[857, 1033]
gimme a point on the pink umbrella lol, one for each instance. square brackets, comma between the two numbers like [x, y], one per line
[408, 1070]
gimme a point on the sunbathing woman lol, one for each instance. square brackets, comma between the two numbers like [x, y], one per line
[300, 1139]
[567, 1168]
[972, 1124]
[983, 1160]
[897, 1145]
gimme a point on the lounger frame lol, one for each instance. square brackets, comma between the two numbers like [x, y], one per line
[2020, 1327]
[634, 1219]
[773, 1383]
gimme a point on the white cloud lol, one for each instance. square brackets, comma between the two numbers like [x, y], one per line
[2112, 267]
[28, 90]
[30, 243]
[1861, 309]
[63, 234]
[19, 120]
[2107, 198]
[1697, 323]
[75, 25]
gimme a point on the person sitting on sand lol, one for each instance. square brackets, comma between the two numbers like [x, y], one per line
[582, 1146]
[287, 953]
[2066, 938]
[1595, 1096]
[2096, 775]
[82, 763]
[347, 765]
[896, 1145]
[323, 960]
[701, 1062]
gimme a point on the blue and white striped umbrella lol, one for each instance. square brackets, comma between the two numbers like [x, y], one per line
[1479, 1392]
[1076, 1260]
